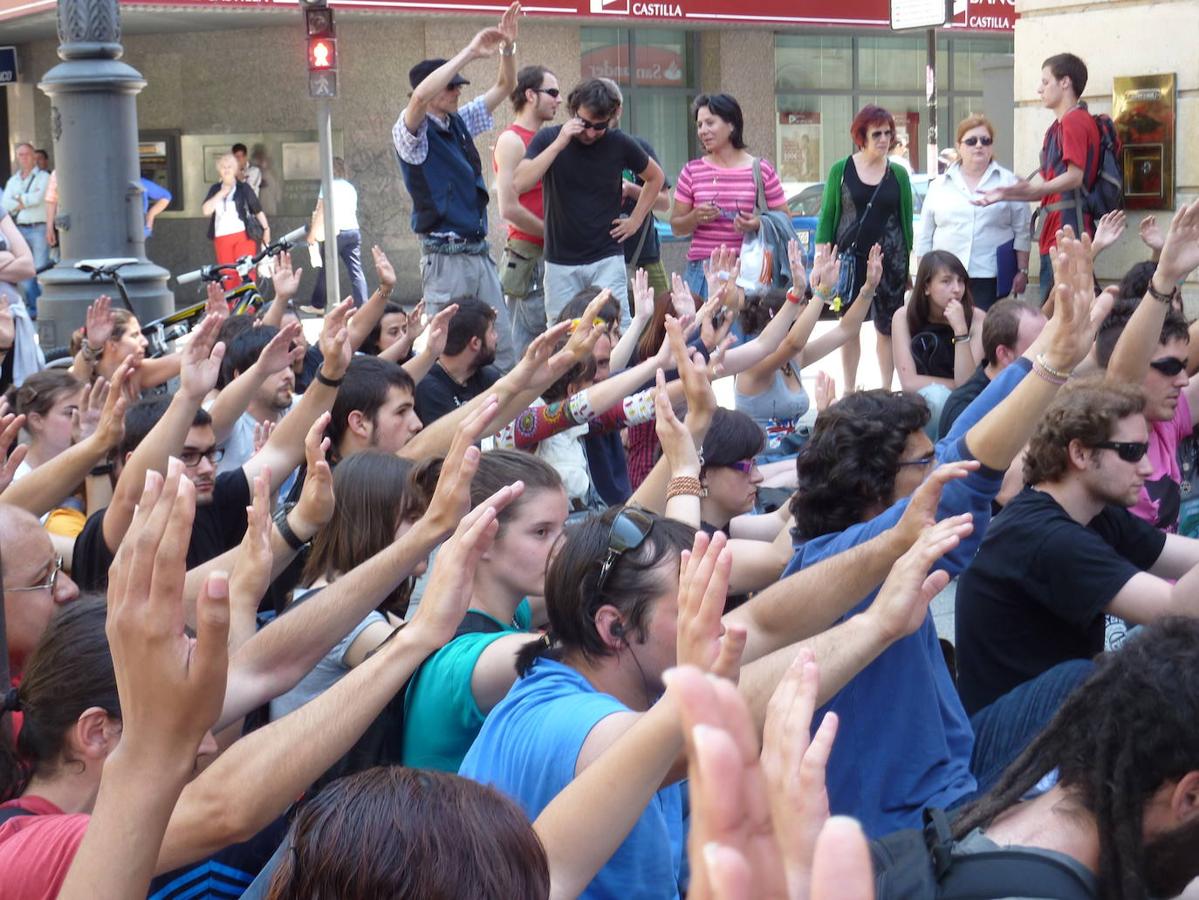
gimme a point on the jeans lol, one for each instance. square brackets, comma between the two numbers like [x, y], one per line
[934, 396]
[694, 278]
[35, 237]
[563, 282]
[1004, 729]
[528, 312]
[349, 248]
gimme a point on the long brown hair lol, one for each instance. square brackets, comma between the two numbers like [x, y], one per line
[932, 263]
[410, 834]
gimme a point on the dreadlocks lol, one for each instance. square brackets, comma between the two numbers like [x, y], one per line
[1131, 727]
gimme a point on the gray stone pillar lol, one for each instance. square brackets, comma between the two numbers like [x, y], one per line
[93, 120]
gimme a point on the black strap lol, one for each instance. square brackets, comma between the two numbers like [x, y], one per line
[759, 188]
[645, 227]
[853, 248]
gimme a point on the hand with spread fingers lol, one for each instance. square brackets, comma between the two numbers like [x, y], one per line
[315, 506]
[335, 340]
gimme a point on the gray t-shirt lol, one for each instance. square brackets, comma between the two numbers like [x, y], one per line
[327, 672]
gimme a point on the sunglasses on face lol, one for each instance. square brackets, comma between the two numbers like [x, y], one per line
[553, 92]
[974, 141]
[629, 531]
[592, 126]
[1129, 451]
[875, 135]
[1170, 366]
[744, 466]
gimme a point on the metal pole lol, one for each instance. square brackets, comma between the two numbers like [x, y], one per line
[930, 92]
[324, 123]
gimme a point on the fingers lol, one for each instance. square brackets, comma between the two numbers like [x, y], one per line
[172, 520]
[732, 646]
[313, 444]
[209, 664]
[841, 867]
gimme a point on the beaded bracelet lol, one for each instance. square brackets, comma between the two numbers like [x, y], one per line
[1053, 376]
[685, 485]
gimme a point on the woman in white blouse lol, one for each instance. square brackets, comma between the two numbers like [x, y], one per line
[975, 234]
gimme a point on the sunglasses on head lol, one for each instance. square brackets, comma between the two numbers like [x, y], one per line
[973, 141]
[592, 126]
[553, 92]
[1170, 366]
[629, 531]
[1129, 451]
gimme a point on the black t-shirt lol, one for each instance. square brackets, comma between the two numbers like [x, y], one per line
[651, 252]
[219, 526]
[1035, 594]
[933, 350]
[583, 194]
[437, 393]
[960, 398]
[885, 203]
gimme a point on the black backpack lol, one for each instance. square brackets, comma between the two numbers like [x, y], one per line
[1106, 192]
[919, 864]
[382, 743]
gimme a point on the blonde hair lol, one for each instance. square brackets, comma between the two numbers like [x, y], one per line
[973, 121]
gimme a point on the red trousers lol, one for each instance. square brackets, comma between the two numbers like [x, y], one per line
[229, 249]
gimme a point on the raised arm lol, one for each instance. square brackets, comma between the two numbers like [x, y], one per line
[439, 330]
[850, 324]
[235, 397]
[369, 314]
[530, 171]
[202, 363]
[506, 79]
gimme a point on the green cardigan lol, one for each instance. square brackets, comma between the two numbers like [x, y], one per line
[830, 206]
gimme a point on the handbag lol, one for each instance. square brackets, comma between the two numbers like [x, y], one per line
[847, 277]
[757, 257]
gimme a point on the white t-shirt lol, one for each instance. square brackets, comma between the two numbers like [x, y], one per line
[345, 205]
[227, 219]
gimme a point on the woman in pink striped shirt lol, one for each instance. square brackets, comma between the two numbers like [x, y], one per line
[715, 195]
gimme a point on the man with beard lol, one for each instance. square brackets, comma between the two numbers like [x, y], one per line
[1122, 811]
[464, 370]
[1067, 550]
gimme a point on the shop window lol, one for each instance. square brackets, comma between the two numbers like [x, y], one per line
[813, 62]
[812, 133]
[966, 54]
[894, 63]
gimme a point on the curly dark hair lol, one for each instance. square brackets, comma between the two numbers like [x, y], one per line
[850, 462]
[1086, 411]
[1122, 734]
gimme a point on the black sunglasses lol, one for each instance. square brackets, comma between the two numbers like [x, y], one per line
[1129, 451]
[972, 141]
[875, 135]
[593, 126]
[1170, 366]
[553, 92]
[628, 532]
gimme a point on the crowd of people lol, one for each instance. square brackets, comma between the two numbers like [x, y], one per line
[487, 597]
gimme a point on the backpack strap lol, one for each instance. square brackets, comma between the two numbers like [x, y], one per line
[477, 623]
[759, 187]
[12, 812]
[938, 837]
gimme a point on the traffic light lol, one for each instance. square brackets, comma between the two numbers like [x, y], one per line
[322, 52]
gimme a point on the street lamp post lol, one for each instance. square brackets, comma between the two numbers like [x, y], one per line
[93, 121]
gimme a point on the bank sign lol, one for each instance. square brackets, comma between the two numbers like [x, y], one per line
[977, 15]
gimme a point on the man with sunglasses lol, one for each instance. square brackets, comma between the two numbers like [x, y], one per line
[535, 101]
[1066, 551]
[581, 167]
[435, 142]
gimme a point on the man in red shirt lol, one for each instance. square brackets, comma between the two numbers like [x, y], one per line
[1069, 159]
[535, 101]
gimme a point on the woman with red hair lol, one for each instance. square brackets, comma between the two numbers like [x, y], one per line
[868, 201]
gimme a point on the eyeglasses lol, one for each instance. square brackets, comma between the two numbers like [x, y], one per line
[885, 133]
[592, 126]
[191, 458]
[553, 92]
[1170, 366]
[973, 141]
[628, 532]
[744, 466]
[1129, 451]
[47, 585]
[926, 460]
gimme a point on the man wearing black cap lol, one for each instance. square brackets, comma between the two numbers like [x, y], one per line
[444, 175]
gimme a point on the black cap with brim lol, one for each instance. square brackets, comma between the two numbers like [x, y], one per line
[427, 67]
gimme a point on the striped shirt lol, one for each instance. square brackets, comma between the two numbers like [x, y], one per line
[733, 191]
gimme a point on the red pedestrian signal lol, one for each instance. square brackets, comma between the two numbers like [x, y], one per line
[322, 54]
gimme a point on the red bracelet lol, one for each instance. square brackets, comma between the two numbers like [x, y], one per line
[793, 298]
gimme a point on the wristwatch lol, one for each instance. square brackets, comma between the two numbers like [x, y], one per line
[1022, 271]
[292, 539]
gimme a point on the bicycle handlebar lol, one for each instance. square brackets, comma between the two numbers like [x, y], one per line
[212, 273]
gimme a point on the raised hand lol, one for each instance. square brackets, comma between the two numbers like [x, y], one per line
[439, 330]
[201, 363]
[1180, 251]
[384, 271]
[902, 601]
[677, 444]
[1151, 233]
[825, 269]
[697, 386]
[1077, 312]
[86, 415]
[335, 340]
[287, 277]
[874, 268]
[279, 353]
[799, 275]
[171, 686]
[825, 391]
[487, 43]
[416, 320]
[1108, 230]
[10, 429]
[315, 506]
[252, 572]
[643, 296]
[110, 423]
[921, 511]
[508, 22]
[719, 269]
[535, 368]
[262, 433]
[703, 641]
[451, 496]
[681, 299]
[98, 323]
